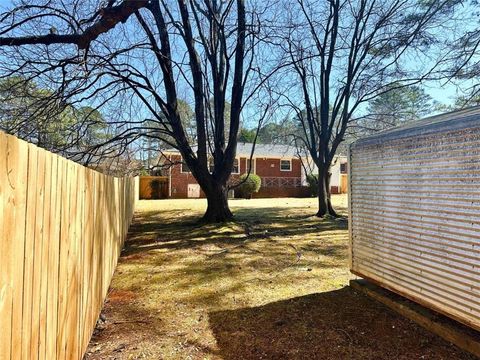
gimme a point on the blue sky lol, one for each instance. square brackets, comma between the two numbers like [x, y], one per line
[442, 92]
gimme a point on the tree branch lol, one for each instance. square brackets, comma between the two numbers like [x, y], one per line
[109, 18]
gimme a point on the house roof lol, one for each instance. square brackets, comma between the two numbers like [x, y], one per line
[261, 150]
[454, 120]
[267, 150]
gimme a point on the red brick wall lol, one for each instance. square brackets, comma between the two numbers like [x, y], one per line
[264, 168]
[267, 167]
[271, 168]
[179, 180]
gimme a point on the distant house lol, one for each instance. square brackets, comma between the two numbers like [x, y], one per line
[282, 170]
[339, 180]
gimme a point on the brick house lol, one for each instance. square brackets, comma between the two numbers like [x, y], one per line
[279, 167]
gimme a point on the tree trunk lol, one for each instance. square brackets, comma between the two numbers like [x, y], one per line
[324, 197]
[322, 194]
[331, 210]
[217, 208]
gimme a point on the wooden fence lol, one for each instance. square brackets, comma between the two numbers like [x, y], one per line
[61, 232]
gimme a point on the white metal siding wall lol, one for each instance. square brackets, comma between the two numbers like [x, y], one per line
[415, 218]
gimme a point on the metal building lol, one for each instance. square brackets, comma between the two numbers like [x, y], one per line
[415, 212]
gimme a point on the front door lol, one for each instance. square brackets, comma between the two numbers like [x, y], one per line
[193, 190]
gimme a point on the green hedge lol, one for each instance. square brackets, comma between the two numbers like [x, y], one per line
[249, 185]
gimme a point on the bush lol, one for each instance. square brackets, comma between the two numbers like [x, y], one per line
[249, 185]
[156, 186]
[312, 180]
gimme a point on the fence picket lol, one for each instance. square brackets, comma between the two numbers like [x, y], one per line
[31, 200]
[53, 259]
[17, 176]
[46, 223]
[37, 255]
[5, 251]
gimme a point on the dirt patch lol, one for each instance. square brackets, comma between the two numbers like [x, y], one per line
[271, 285]
[121, 296]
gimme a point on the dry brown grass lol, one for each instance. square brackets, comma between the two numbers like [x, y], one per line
[270, 285]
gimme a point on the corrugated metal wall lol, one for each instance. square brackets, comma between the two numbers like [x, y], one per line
[415, 213]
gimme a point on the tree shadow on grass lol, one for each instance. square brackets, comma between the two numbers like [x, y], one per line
[340, 324]
[211, 263]
[175, 230]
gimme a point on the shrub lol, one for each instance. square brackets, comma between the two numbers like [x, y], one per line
[249, 185]
[312, 180]
[156, 186]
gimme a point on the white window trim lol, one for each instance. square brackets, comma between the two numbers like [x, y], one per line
[254, 170]
[238, 162]
[184, 172]
[236, 173]
[181, 168]
[290, 161]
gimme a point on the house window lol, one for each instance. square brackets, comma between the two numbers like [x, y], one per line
[236, 167]
[251, 165]
[185, 168]
[343, 168]
[285, 165]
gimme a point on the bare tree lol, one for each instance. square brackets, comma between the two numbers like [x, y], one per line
[347, 52]
[464, 67]
[147, 56]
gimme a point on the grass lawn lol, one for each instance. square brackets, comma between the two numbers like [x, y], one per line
[271, 285]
